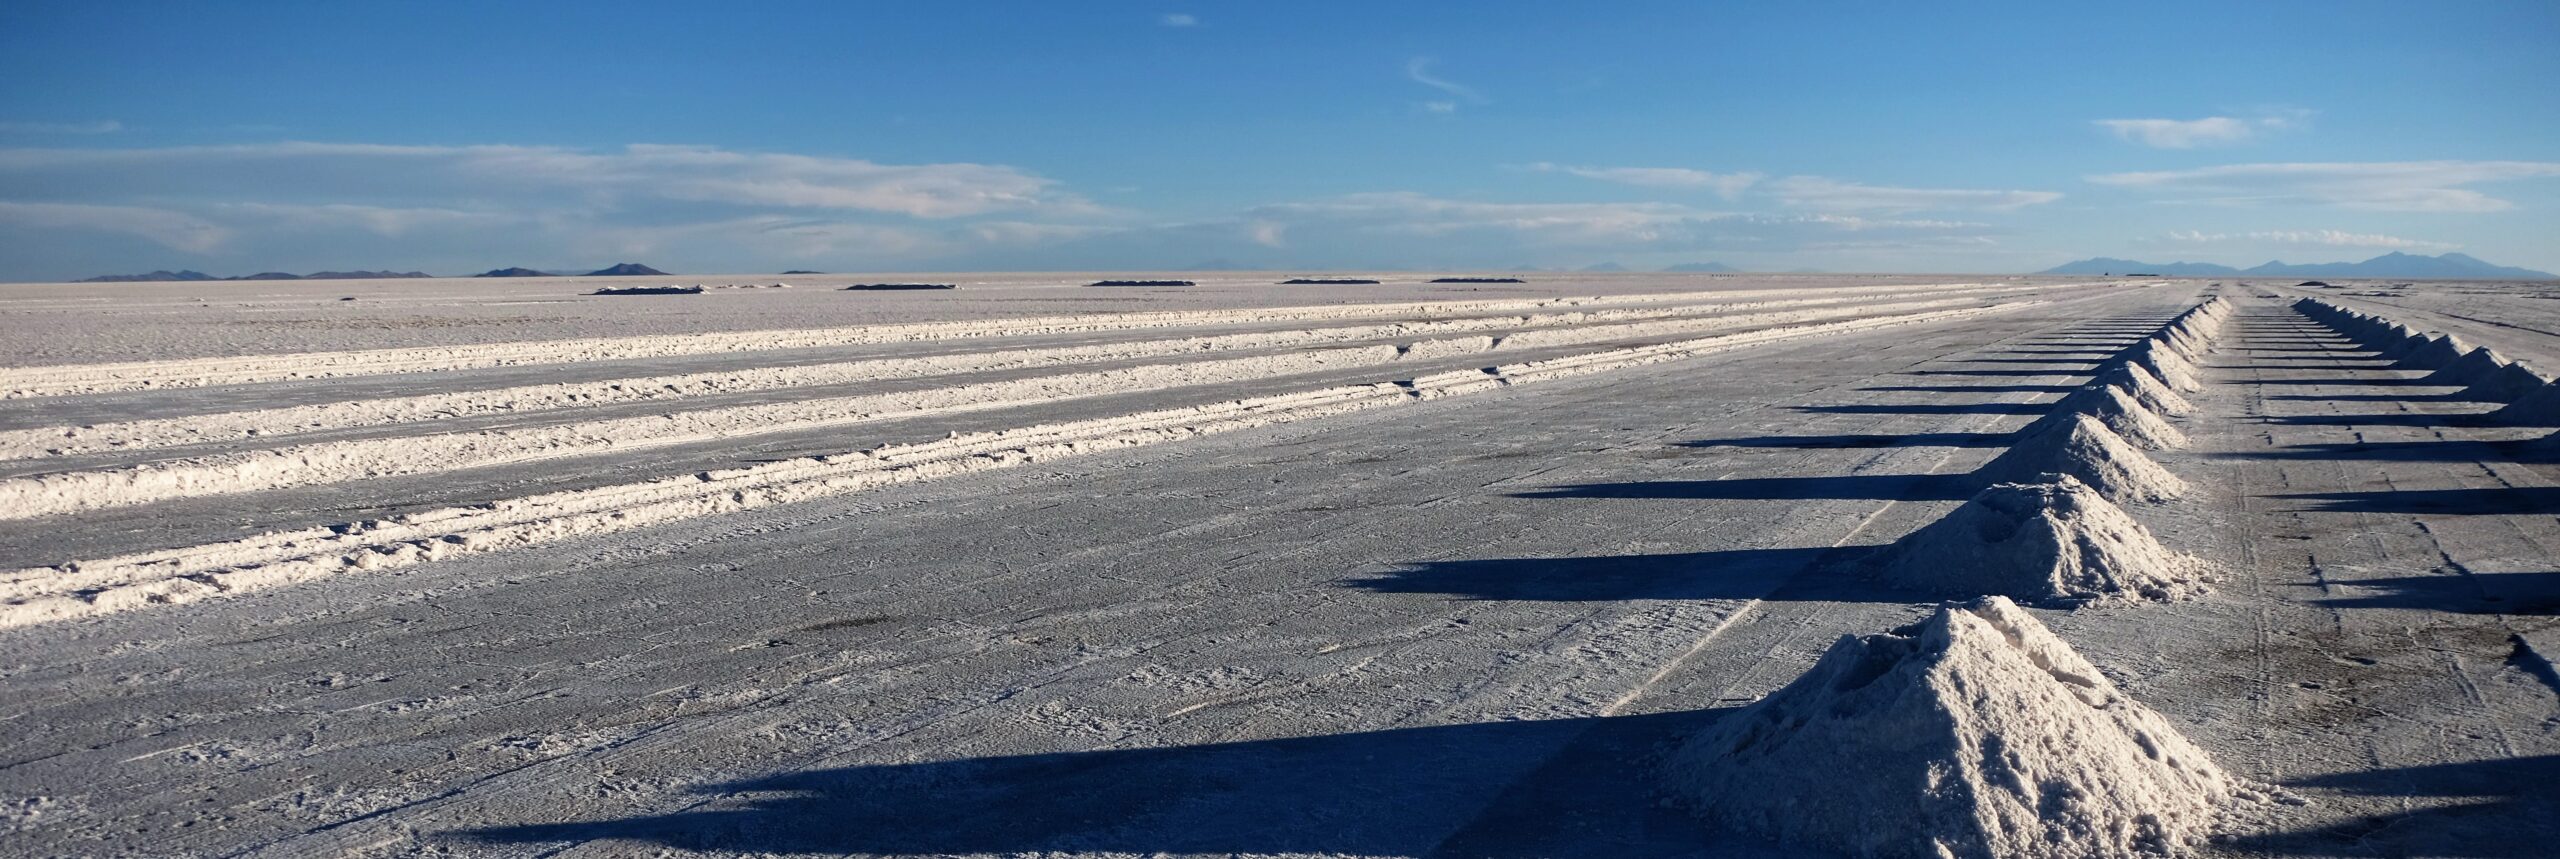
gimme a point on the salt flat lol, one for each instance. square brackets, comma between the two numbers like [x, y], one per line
[1410, 570]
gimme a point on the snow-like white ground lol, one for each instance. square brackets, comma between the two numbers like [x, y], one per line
[1409, 570]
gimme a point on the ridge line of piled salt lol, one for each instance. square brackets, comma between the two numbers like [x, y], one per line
[2047, 528]
[325, 462]
[2526, 396]
[120, 583]
[1542, 330]
[65, 379]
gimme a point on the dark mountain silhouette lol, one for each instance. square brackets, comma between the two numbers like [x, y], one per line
[514, 272]
[627, 269]
[163, 275]
[159, 276]
[2451, 266]
[1703, 268]
[803, 271]
[362, 275]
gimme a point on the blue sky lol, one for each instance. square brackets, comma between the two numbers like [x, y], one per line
[456, 137]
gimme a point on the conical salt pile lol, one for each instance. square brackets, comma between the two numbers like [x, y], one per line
[2168, 367]
[1975, 733]
[2051, 541]
[2507, 384]
[2539, 407]
[2124, 414]
[2146, 389]
[2470, 368]
[2081, 446]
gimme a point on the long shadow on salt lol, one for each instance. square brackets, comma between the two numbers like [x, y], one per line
[2397, 419]
[1825, 442]
[1880, 487]
[2471, 593]
[1930, 409]
[1734, 574]
[2402, 451]
[2492, 809]
[1377, 793]
[1977, 389]
[2507, 500]
[2055, 372]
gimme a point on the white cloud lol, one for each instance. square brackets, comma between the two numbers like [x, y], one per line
[1177, 19]
[2319, 238]
[174, 229]
[701, 174]
[378, 220]
[2181, 133]
[1815, 192]
[1633, 227]
[1419, 69]
[2398, 186]
[2209, 131]
[1726, 185]
[103, 126]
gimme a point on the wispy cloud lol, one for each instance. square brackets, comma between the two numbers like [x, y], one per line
[2208, 131]
[173, 229]
[103, 126]
[1726, 185]
[1419, 69]
[1488, 228]
[1815, 192]
[1178, 19]
[2308, 238]
[2397, 186]
[701, 174]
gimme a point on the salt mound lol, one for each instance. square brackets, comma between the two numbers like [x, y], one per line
[2166, 365]
[2507, 384]
[2437, 350]
[1975, 733]
[2051, 541]
[2146, 389]
[2125, 415]
[2472, 366]
[2083, 447]
[2539, 407]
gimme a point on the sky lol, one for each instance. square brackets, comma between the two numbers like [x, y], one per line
[455, 137]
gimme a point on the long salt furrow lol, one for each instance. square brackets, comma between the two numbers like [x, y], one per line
[127, 582]
[268, 423]
[357, 459]
[61, 380]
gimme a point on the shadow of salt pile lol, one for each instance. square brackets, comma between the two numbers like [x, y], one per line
[1376, 793]
[1974, 733]
[2503, 808]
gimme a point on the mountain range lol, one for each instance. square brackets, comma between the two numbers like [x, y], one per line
[2451, 266]
[191, 275]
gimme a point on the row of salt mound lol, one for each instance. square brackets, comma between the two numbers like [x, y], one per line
[1978, 732]
[2048, 530]
[1974, 733]
[2529, 396]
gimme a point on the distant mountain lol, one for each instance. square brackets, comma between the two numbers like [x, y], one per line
[1703, 268]
[514, 272]
[268, 275]
[363, 275]
[627, 269]
[1604, 266]
[153, 277]
[2451, 266]
[803, 271]
[2111, 265]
